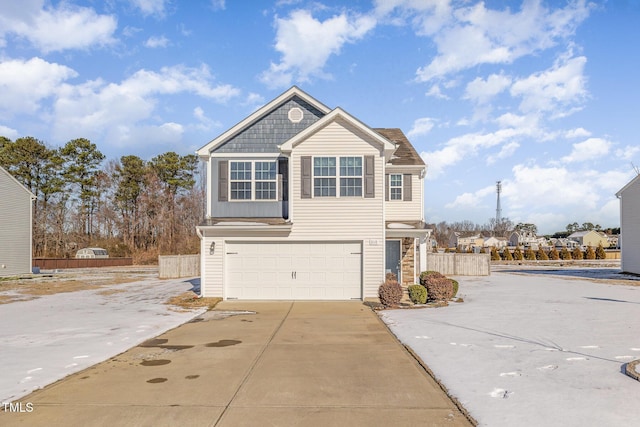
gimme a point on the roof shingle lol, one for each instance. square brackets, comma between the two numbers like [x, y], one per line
[405, 153]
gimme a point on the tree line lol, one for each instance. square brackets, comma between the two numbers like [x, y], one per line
[129, 206]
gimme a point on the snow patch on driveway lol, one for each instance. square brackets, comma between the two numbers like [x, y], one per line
[540, 349]
[50, 337]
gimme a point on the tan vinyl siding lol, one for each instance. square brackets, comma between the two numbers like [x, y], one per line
[212, 267]
[342, 218]
[630, 228]
[401, 210]
[15, 227]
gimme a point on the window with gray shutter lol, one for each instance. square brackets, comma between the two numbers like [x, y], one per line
[406, 187]
[305, 167]
[223, 176]
[369, 176]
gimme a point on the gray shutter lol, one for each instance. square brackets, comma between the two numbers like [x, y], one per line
[369, 176]
[305, 167]
[279, 187]
[386, 187]
[283, 171]
[223, 180]
[406, 187]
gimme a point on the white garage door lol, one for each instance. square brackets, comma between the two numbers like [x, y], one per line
[299, 271]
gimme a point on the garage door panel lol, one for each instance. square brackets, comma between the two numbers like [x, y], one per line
[284, 270]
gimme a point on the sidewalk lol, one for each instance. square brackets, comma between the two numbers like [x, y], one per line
[284, 363]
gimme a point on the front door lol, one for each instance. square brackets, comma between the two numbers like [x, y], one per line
[392, 257]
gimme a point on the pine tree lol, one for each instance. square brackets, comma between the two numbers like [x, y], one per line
[600, 253]
[495, 256]
[577, 253]
[517, 254]
[529, 254]
[590, 254]
[565, 254]
[541, 254]
[553, 254]
[507, 255]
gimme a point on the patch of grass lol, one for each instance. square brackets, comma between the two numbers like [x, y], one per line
[190, 300]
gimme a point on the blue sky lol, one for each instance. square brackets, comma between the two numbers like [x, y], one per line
[542, 95]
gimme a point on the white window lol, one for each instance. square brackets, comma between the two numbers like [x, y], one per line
[253, 180]
[395, 186]
[240, 180]
[326, 175]
[265, 178]
[350, 176]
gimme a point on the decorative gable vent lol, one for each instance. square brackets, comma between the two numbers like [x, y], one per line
[295, 115]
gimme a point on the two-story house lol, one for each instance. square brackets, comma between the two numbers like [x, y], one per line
[591, 238]
[308, 202]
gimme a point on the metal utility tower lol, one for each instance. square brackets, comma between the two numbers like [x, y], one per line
[498, 208]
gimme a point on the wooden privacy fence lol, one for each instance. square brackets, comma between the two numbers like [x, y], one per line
[174, 266]
[55, 263]
[460, 264]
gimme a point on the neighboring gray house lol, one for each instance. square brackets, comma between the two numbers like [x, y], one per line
[307, 202]
[629, 241]
[15, 226]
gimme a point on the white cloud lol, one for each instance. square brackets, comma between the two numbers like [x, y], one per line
[539, 188]
[421, 126]
[471, 200]
[59, 28]
[458, 148]
[156, 41]
[560, 87]
[482, 90]
[435, 92]
[628, 152]
[529, 121]
[577, 133]
[480, 35]
[218, 4]
[306, 44]
[24, 84]
[507, 150]
[204, 123]
[8, 132]
[151, 7]
[426, 16]
[592, 148]
[95, 108]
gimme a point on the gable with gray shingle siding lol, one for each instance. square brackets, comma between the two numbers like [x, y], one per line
[273, 129]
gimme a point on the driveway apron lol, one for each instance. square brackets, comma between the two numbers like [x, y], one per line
[253, 363]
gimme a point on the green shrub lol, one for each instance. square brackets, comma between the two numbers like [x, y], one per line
[390, 293]
[439, 288]
[600, 253]
[417, 294]
[455, 287]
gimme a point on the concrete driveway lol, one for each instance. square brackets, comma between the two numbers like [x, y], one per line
[253, 363]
